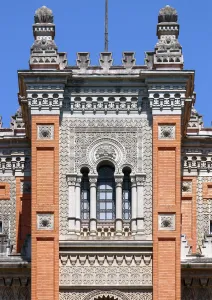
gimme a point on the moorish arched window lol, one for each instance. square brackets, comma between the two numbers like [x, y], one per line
[106, 193]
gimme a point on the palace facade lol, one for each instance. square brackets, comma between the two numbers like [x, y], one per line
[106, 177]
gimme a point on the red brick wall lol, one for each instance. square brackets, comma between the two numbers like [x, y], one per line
[166, 200]
[45, 199]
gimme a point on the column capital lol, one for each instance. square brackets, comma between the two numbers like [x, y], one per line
[78, 180]
[92, 180]
[140, 179]
[118, 179]
[133, 180]
[71, 179]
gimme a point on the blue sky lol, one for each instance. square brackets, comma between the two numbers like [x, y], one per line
[80, 27]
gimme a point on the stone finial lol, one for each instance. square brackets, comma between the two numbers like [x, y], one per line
[44, 15]
[106, 60]
[167, 14]
[83, 60]
[128, 59]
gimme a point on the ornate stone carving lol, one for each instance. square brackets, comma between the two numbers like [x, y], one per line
[44, 15]
[13, 288]
[113, 295]
[8, 212]
[167, 14]
[105, 270]
[45, 221]
[166, 221]
[197, 161]
[187, 187]
[166, 132]
[45, 132]
[204, 211]
[104, 149]
[14, 161]
[76, 134]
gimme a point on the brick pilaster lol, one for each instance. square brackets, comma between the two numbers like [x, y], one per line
[166, 204]
[45, 201]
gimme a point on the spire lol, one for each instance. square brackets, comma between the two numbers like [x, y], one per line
[44, 53]
[106, 26]
[168, 51]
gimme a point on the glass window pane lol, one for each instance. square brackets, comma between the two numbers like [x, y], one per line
[109, 186]
[109, 216]
[102, 195]
[102, 186]
[102, 216]
[126, 195]
[126, 205]
[126, 216]
[85, 194]
[85, 206]
[109, 205]
[109, 196]
[102, 205]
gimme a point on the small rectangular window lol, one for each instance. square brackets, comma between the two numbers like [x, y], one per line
[1, 227]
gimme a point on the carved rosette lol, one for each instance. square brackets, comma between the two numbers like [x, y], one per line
[45, 221]
[166, 221]
[166, 132]
[106, 149]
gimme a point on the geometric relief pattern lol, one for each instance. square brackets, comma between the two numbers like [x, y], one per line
[8, 211]
[189, 293]
[135, 136]
[106, 270]
[166, 132]
[204, 210]
[109, 295]
[45, 132]
[14, 293]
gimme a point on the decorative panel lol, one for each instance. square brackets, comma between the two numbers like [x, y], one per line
[83, 142]
[105, 270]
[45, 132]
[166, 221]
[45, 221]
[166, 132]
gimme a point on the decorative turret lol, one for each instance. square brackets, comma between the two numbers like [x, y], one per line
[44, 54]
[168, 51]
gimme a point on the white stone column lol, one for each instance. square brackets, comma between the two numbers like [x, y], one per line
[119, 221]
[78, 204]
[140, 180]
[71, 181]
[93, 181]
[133, 205]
